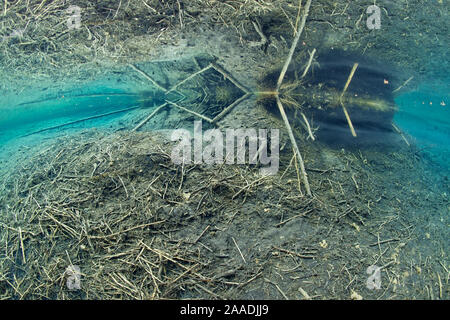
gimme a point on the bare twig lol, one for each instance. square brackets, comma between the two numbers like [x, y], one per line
[280, 105]
[242, 256]
[404, 84]
[149, 117]
[311, 56]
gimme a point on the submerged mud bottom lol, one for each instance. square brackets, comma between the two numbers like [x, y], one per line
[140, 227]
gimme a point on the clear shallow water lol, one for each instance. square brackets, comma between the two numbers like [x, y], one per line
[425, 115]
[53, 104]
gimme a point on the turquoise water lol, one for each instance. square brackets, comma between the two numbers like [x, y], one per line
[35, 109]
[425, 115]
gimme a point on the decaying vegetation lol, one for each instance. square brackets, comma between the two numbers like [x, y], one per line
[140, 227]
[35, 40]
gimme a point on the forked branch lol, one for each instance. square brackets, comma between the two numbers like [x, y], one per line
[280, 105]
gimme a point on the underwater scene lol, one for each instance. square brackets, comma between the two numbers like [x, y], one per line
[215, 150]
